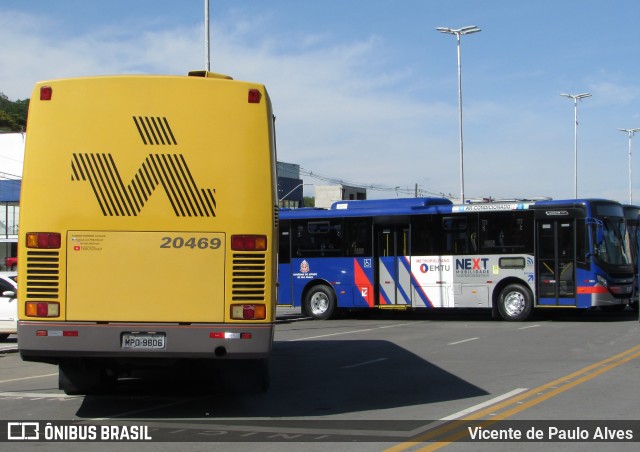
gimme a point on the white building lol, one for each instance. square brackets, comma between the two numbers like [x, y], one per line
[328, 194]
[11, 159]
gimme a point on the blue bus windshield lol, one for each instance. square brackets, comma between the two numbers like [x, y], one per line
[611, 247]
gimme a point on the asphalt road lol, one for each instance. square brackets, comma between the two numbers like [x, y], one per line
[377, 381]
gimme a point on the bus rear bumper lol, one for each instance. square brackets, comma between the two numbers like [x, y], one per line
[53, 342]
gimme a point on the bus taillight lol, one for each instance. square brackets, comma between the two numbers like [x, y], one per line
[42, 309]
[46, 240]
[249, 242]
[248, 312]
[46, 93]
[254, 96]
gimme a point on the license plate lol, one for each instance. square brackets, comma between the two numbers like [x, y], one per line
[144, 341]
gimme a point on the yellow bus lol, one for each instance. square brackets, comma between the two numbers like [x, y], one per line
[147, 229]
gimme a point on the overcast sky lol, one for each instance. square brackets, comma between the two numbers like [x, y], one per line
[366, 91]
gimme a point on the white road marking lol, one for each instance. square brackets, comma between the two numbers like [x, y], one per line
[352, 332]
[36, 395]
[29, 378]
[466, 340]
[479, 406]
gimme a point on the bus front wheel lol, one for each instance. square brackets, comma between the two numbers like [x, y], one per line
[515, 303]
[320, 302]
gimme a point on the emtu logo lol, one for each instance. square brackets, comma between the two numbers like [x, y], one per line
[167, 170]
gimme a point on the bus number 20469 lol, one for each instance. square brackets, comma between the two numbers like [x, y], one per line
[202, 243]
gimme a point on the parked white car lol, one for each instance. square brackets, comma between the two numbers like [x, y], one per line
[8, 305]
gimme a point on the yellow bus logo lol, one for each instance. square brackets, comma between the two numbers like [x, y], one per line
[170, 171]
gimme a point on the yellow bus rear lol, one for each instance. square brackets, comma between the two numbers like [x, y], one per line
[148, 212]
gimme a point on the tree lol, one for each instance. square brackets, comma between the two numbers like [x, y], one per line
[13, 115]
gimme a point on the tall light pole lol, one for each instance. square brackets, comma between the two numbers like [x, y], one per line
[207, 54]
[459, 32]
[631, 133]
[575, 98]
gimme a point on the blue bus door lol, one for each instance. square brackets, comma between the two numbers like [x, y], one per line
[393, 272]
[555, 251]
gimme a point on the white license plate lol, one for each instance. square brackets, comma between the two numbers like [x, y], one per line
[144, 341]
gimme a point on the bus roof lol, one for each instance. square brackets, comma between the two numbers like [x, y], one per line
[364, 208]
[390, 203]
[409, 206]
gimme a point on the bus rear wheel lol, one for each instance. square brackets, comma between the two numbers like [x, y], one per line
[320, 302]
[515, 303]
[78, 378]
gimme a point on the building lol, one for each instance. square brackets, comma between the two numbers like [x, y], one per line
[328, 194]
[11, 157]
[290, 186]
[9, 213]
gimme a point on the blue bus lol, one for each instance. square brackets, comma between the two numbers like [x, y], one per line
[507, 256]
[632, 217]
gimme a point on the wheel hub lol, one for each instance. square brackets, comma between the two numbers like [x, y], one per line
[514, 303]
[319, 303]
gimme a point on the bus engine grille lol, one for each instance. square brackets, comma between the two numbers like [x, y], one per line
[43, 275]
[249, 277]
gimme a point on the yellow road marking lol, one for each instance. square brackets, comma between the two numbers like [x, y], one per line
[539, 394]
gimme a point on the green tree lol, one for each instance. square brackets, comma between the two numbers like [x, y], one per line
[13, 115]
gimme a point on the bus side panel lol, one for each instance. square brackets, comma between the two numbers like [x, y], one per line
[463, 281]
[350, 278]
[285, 295]
[433, 281]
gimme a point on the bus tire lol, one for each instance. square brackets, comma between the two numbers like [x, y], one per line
[79, 379]
[515, 303]
[320, 302]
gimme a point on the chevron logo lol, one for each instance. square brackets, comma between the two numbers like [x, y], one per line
[169, 172]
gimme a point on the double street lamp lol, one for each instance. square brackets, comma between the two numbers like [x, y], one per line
[575, 98]
[631, 133]
[459, 32]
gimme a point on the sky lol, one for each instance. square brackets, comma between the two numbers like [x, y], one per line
[366, 92]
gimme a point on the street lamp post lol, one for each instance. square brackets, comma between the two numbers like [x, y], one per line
[459, 32]
[575, 98]
[631, 133]
[207, 54]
